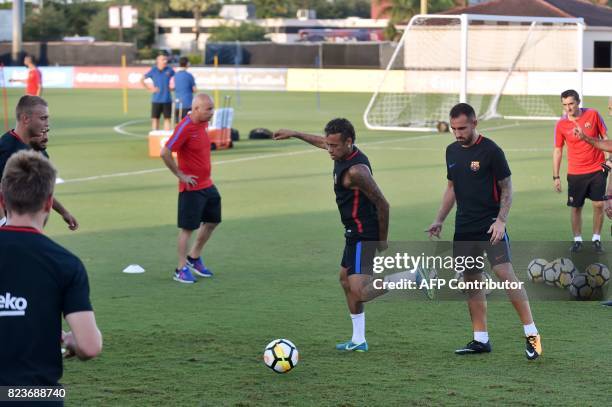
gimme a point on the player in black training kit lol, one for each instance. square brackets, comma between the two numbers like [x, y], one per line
[31, 132]
[364, 211]
[479, 181]
[39, 282]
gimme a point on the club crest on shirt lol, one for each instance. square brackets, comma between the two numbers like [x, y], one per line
[588, 125]
[475, 166]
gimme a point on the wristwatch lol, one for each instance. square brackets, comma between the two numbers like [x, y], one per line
[556, 177]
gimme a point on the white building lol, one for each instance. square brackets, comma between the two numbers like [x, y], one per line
[178, 33]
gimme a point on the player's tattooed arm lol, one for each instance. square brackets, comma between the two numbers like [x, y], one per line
[498, 228]
[317, 141]
[505, 200]
[602, 143]
[359, 177]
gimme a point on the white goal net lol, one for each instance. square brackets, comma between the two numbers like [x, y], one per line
[505, 67]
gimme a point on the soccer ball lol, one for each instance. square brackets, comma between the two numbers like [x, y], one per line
[281, 355]
[599, 272]
[535, 270]
[582, 286]
[567, 270]
[559, 272]
[551, 271]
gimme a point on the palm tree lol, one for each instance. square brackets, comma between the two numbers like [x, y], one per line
[400, 11]
[197, 7]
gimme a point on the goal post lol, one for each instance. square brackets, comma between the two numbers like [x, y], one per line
[506, 67]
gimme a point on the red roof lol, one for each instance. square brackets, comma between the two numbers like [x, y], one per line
[594, 15]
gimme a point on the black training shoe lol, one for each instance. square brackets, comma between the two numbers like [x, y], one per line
[597, 248]
[576, 247]
[474, 347]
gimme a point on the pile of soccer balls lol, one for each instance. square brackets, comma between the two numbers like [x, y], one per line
[563, 274]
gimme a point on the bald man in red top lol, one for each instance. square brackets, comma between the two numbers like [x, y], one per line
[34, 81]
[585, 175]
[199, 206]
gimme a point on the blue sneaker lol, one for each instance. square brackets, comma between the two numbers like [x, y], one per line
[184, 276]
[350, 346]
[198, 267]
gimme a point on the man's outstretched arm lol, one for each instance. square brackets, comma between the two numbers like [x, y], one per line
[317, 141]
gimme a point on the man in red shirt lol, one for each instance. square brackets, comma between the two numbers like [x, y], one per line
[199, 205]
[34, 81]
[585, 176]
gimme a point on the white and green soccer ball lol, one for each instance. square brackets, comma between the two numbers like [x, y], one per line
[582, 286]
[281, 355]
[559, 272]
[535, 270]
[599, 272]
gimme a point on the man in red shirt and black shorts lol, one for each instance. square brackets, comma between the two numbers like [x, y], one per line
[585, 175]
[34, 81]
[199, 203]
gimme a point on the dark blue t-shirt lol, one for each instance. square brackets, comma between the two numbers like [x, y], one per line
[183, 89]
[10, 143]
[474, 172]
[161, 80]
[39, 282]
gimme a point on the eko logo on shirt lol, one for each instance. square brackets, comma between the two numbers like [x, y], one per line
[12, 306]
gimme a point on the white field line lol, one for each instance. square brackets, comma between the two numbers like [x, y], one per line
[230, 161]
[119, 129]
[522, 150]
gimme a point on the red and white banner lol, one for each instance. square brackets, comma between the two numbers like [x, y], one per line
[92, 77]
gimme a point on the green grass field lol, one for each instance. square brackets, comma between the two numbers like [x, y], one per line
[276, 259]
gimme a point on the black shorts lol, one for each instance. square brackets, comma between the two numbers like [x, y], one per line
[179, 114]
[474, 244]
[158, 108]
[358, 256]
[195, 207]
[580, 187]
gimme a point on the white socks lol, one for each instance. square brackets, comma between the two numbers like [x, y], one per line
[482, 337]
[402, 275]
[358, 328]
[530, 330]
[595, 238]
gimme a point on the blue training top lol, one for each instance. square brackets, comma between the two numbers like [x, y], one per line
[161, 80]
[183, 89]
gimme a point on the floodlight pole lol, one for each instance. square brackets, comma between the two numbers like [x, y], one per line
[464, 56]
[423, 6]
[579, 57]
[17, 30]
